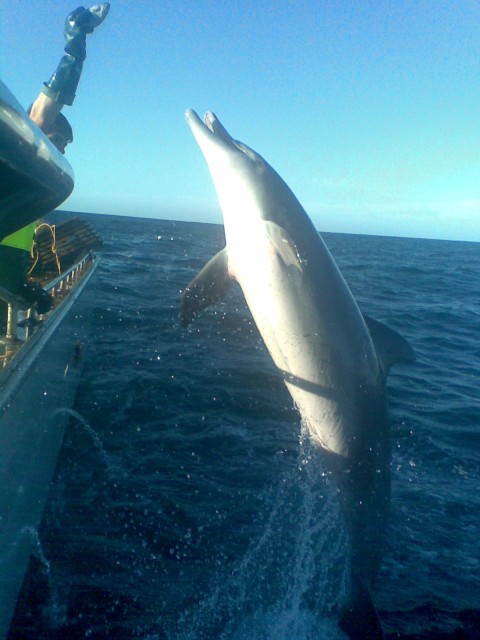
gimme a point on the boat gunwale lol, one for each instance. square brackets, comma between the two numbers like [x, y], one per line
[12, 373]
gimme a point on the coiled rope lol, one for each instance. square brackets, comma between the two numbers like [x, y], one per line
[35, 255]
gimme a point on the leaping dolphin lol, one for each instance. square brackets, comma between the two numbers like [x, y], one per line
[333, 359]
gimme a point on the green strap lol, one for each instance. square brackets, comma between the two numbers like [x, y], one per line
[21, 239]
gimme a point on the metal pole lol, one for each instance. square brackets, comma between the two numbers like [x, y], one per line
[12, 319]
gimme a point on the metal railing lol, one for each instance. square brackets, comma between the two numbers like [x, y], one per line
[23, 320]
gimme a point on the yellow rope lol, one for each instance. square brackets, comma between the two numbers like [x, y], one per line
[54, 247]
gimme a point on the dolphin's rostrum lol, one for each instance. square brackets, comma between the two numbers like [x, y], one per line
[333, 359]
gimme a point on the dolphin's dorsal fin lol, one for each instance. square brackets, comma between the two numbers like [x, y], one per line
[210, 285]
[390, 346]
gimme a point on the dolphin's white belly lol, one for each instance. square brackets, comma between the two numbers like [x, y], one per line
[321, 363]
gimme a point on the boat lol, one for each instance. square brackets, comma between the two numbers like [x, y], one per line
[41, 354]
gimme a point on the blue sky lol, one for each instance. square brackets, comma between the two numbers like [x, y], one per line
[369, 110]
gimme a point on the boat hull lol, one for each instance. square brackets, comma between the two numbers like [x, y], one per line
[36, 390]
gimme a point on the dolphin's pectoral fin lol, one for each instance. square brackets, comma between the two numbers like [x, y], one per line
[284, 246]
[391, 347]
[210, 285]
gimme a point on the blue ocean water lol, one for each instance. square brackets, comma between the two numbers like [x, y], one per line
[188, 504]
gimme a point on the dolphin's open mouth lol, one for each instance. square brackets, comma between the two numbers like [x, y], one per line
[211, 123]
[216, 127]
[210, 119]
[211, 129]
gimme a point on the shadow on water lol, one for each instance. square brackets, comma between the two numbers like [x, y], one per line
[50, 602]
